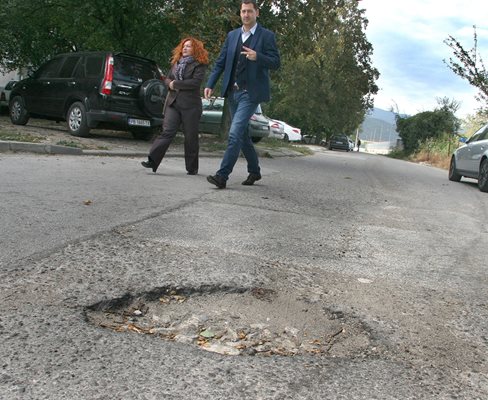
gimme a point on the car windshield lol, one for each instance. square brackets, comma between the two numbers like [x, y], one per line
[10, 85]
[213, 104]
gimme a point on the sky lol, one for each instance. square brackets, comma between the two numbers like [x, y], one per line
[408, 50]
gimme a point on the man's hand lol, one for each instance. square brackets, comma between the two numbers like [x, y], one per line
[207, 92]
[249, 53]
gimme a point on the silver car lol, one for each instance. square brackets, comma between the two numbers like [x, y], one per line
[471, 160]
[5, 94]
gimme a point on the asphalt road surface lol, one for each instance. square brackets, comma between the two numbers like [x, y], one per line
[391, 252]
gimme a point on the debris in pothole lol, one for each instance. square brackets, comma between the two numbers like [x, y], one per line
[256, 322]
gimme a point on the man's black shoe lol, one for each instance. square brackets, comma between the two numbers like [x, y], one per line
[217, 181]
[149, 164]
[251, 179]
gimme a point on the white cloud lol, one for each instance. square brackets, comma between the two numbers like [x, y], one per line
[409, 49]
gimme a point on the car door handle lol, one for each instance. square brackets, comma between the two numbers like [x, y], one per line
[72, 83]
[46, 83]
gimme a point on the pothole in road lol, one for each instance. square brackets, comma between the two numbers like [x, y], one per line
[231, 321]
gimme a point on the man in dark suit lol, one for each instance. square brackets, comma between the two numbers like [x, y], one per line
[249, 52]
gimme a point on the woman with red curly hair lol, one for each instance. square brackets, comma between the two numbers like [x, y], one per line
[183, 105]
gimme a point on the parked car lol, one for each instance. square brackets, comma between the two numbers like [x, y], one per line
[291, 134]
[5, 94]
[312, 139]
[276, 129]
[471, 160]
[258, 125]
[341, 142]
[93, 90]
[211, 119]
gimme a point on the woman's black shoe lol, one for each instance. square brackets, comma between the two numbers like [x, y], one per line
[149, 164]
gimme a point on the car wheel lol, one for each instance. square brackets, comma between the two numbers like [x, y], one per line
[483, 176]
[330, 147]
[453, 174]
[18, 113]
[286, 138]
[152, 96]
[76, 119]
[256, 139]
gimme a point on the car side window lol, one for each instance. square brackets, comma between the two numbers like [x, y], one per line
[481, 134]
[67, 70]
[484, 134]
[94, 66]
[50, 69]
[475, 137]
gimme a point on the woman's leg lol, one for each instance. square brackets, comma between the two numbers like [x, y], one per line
[191, 119]
[171, 123]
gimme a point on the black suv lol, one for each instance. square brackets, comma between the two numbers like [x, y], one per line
[93, 90]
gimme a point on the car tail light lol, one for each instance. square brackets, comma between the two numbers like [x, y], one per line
[296, 131]
[253, 117]
[108, 77]
[275, 125]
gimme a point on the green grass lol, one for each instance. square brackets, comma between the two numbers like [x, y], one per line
[69, 144]
[273, 143]
[214, 143]
[436, 152]
[72, 143]
[214, 146]
[20, 137]
[303, 150]
[398, 154]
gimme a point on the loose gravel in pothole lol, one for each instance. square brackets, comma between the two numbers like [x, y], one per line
[254, 322]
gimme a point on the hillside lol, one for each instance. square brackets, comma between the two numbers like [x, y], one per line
[379, 126]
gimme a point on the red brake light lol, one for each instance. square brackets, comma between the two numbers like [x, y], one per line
[108, 77]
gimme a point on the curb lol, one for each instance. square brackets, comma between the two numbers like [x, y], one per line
[128, 153]
[6, 146]
[40, 148]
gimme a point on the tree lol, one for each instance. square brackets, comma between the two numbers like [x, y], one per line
[471, 123]
[327, 80]
[34, 30]
[469, 65]
[426, 125]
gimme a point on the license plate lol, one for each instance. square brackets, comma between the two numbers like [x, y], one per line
[139, 122]
[265, 128]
